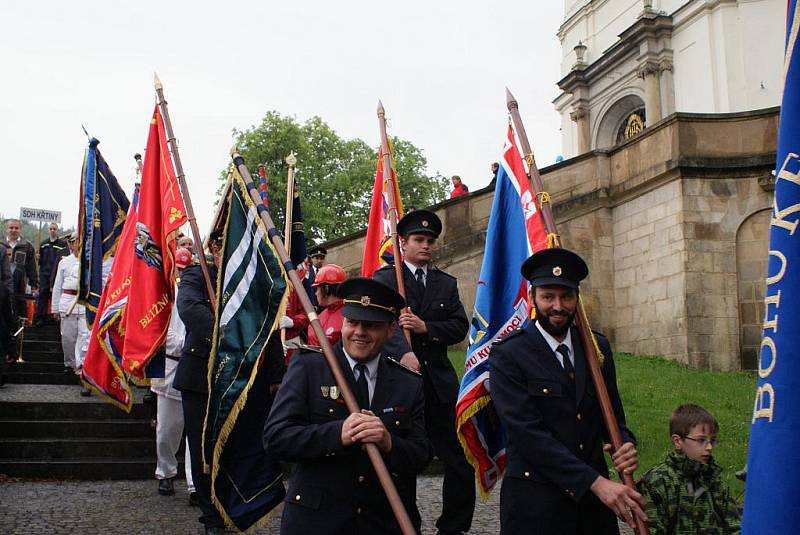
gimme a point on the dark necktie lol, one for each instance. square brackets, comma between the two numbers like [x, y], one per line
[362, 388]
[420, 273]
[568, 367]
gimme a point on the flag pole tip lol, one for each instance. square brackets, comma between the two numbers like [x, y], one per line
[381, 111]
[291, 160]
[509, 97]
[157, 81]
[235, 151]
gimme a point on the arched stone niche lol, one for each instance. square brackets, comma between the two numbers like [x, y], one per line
[614, 118]
[752, 246]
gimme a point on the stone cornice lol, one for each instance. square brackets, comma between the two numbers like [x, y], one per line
[653, 25]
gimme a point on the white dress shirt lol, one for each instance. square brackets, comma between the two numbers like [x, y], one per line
[372, 372]
[414, 269]
[553, 343]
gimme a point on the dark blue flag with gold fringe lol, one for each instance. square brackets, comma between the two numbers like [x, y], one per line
[772, 499]
[103, 209]
[246, 358]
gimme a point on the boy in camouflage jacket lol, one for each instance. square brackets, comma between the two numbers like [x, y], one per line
[685, 494]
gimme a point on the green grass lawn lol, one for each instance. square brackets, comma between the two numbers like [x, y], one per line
[651, 387]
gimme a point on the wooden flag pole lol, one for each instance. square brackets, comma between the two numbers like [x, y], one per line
[374, 454]
[581, 320]
[291, 161]
[187, 201]
[389, 186]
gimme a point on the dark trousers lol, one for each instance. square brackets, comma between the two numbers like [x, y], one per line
[42, 302]
[194, 411]
[458, 489]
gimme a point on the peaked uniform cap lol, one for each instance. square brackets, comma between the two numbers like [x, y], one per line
[369, 300]
[420, 222]
[555, 266]
[317, 251]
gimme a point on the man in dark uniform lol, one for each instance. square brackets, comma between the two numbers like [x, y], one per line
[556, 479]
[317, 255]
[436, 320]
[333, 488]
[51, 250]
[191, 375]
[23, 265]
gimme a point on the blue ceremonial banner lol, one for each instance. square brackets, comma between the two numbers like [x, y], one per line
[772, 498]
[515, 231]
[103, 209]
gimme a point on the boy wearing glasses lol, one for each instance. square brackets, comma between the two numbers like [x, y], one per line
[685, 494]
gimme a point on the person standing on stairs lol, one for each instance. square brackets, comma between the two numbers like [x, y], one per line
[169, 419]
[71, 315]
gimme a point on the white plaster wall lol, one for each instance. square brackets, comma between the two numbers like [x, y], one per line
[724, 52]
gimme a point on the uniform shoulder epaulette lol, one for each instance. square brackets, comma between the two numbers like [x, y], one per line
[387, 266]
[516, 332]
[399, 364]
[305, 347]
[436, 268]
[598, 334]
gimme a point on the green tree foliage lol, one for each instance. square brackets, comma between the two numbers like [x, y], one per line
[334, 176]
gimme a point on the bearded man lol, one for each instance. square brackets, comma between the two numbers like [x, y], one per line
[556, 480]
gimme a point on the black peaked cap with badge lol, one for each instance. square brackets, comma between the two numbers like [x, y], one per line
[317, 251]
[420, 222]
[555, 266]
[369, 300]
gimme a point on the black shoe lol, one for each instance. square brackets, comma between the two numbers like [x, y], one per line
[215, 530]
[149, 397]
[3, 379]
[193, 501]
[68, 370]
[85, 392]
[165, 487]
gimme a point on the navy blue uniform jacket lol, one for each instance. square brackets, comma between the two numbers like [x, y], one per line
[194, 309]
[555, 441]
[333, 489]
[441, 310]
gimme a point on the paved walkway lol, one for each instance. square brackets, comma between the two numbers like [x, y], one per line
[72, 508]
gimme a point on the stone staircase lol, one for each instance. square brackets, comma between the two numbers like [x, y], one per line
[48, 431]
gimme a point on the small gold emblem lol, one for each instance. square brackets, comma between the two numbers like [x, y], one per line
[325, 391]
[365, 300]
[557, 271]
[334, 392]
[424, 223]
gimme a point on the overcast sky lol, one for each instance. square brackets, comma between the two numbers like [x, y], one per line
[440, 68]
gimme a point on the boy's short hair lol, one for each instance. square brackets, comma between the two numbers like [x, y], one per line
[685, 417]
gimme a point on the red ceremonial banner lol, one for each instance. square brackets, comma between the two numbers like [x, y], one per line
[102, 367]
[160, 215]
[378, 241]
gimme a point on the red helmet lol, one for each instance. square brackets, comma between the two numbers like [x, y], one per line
[183, 258]
[329, 274]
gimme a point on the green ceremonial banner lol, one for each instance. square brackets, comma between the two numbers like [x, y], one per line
[251, 291]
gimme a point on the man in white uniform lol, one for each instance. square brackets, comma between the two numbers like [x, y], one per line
[169, 419]
[72, 316]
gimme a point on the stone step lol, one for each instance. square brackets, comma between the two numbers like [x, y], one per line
[77, 448]
[43, 356]
[76, 427]
[32, 366]
[82, 408]
[83, 469]
[49, 335]
[36, 378]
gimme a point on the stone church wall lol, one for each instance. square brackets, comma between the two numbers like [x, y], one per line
[671, 224]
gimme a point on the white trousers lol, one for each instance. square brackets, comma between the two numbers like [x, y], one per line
[169, 430]
[74, 339]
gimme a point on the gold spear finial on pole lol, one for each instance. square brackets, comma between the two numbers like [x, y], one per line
[157, 81]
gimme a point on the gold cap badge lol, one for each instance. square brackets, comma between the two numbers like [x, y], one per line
[424, 223]
[557, 271]
[365, 300]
